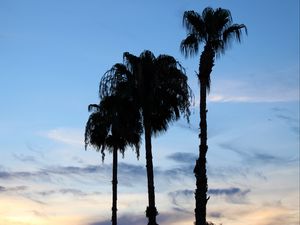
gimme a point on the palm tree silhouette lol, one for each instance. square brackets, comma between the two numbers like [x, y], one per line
[112, 126]
[214, 29]
[158, 87]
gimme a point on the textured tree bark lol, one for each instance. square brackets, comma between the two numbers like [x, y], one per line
[205, 68]
[114, 186]
[151, 211]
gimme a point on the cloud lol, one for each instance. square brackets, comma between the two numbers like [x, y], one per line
[232, 195]
[31, 198]
[183, 199]
[187, 163]
[228, 98]
[36, 150]
[21, 175]
[12, 189]
[69, 136]
[183, 157]
[128, 174]
[253, 88]
[20, 191]
[228, 191]
[189, 127]
[215, 214]
[185, 169]
[39, 214]
[68, 170]
[50, 172]
[179, 196]
[288, 119]
[77, 160]
[258, 157]
[74, 192]
[285, 116]
[177, 173]
[46, 193]
[24, 158]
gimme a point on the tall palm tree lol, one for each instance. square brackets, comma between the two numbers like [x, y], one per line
[215, 30]
[158, 87]
[113, 125]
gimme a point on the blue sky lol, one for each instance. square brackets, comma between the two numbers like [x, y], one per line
[52, 56]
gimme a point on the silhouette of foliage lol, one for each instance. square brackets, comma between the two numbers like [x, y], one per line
[216, 31]
[158, 88]
[113, 125]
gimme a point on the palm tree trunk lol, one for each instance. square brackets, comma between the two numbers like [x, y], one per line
[151, 211]
[114, 186]
[205, 68]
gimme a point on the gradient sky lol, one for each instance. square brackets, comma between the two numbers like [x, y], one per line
[52, 56]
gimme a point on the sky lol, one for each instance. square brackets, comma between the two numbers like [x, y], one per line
[52, 56]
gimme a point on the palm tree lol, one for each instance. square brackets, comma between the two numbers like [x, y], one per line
[159, 88]
[215, 30]
[112, 126]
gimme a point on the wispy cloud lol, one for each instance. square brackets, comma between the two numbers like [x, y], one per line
[63, 191]
[49, 173]
[183, 157]
[179, 197]
[67, 136]
[233, 195]
[187, 126]
[282, 86]
[128, 173]
[258, 157]
[215, 214]
[4, 175]
[12, 189]
[39, 214]
[228, 191]
[25, 158]
[286, 116]
[184, 198]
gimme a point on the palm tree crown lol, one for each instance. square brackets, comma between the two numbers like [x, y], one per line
[213, 28]
[157, 85]
[113, 124]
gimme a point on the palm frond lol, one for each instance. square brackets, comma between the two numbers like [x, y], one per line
[194, 23]
[190, 45]
[208, 18]
[111, 79]
[234, 32]
[147, 56]
[223, 19]
[96, 130]
[171, 95]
